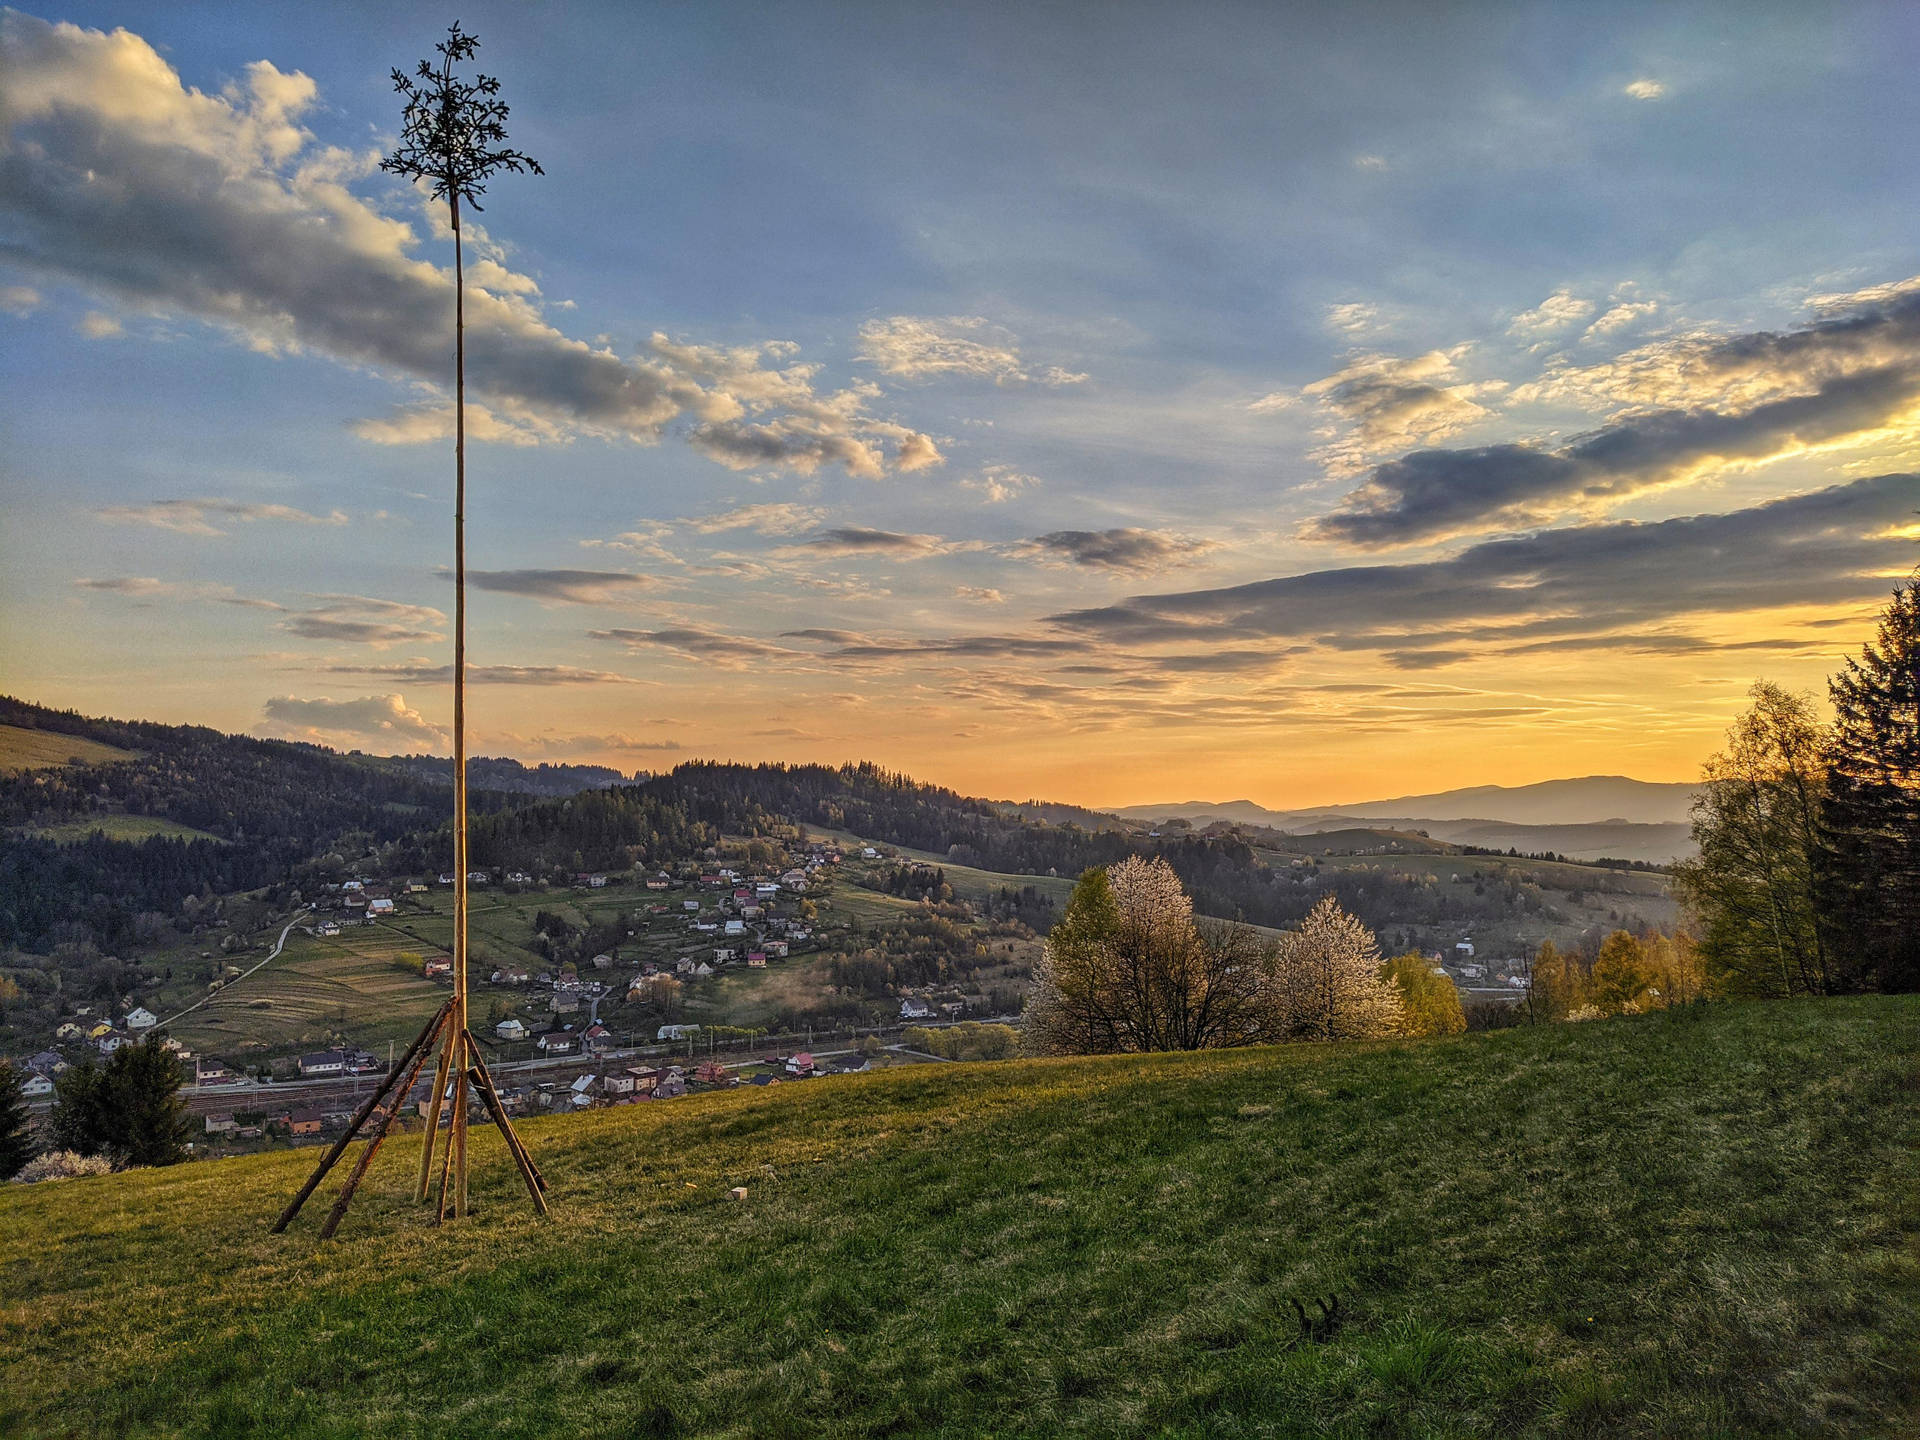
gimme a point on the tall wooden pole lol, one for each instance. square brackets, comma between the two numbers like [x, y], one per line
[457, 1033]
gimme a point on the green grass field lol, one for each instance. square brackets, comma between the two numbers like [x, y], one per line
[119, 827]
[23, 749]
[1698, 1224]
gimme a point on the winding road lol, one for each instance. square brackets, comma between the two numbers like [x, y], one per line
[272, 955]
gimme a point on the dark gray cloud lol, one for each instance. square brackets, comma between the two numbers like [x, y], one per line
[1125, 549]
[1830, 547]
[572, 587]
[484, 674]
[1431, 494]
[702, 644]
[859, 540]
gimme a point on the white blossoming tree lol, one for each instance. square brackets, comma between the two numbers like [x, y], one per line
[1128, 970]
[1325, 983]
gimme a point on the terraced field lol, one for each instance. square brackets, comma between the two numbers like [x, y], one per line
[318, 989]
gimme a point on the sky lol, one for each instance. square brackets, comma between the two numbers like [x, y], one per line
[1109, 403]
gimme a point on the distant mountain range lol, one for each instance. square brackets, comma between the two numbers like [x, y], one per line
[1584, 818]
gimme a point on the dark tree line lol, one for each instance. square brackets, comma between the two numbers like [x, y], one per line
[1808, 876]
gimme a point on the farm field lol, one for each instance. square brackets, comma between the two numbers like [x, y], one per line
[119, 827]
[1694, 1223]
[318, 989]
[25, 749]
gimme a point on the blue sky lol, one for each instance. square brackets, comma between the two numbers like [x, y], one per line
[1296, 402]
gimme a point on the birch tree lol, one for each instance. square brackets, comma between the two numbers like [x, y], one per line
[1756, 884]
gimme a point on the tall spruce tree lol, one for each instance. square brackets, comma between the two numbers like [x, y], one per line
[130, 1108]
[15, 1146]
[1872, 810]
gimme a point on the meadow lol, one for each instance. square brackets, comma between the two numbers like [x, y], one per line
[26, 749]
[1696, 1223]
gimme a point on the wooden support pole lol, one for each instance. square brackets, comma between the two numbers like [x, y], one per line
[484, 1077]
[339, 1211]
[484, 1085]
[433, 1117]
[454, 1131]
[339, 1147]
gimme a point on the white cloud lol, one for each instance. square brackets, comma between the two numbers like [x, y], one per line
[920, 347]
[783, 518]
[387, 719]
[1645, 90]
[98, 325]
[1000, 483]
[1555, 313]
[1622, 316]
[1389, 404]
[196, 517]
[19, 299]
[1353, 318]
[430, 423]
[223, 208]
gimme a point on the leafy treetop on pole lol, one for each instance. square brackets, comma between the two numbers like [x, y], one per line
[453, 131]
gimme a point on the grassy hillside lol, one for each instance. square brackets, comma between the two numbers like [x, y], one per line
[1678, 1225]
[24, 749]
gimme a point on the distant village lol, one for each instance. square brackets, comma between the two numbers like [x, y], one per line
[730, 920]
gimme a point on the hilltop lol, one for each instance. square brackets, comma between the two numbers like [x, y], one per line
[1587, 818]
[1694, 1223]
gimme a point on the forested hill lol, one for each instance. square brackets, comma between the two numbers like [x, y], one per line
[653, 821]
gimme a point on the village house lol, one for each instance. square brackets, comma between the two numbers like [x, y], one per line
[510, 1029]
[112, 1041]
[712, 1072]
[658, 882]
[208, 1071]
[47, 1062]
[670, 1086]
[323, 1063]
[603, 962]
[557, 1042]
[303, 1122]
[914, 1008]
[438, 965]
[221, 1123]
[676, 1032]
[642, 1078]
[581, 1091]
[328, 928]
[801, 1064]
[67, 1032]
[379, 906]
[620, 1083]
[36, 1086]
[140, 1019]
[597, 1037]
[756, 959]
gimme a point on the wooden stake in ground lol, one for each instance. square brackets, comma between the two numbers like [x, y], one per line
[452, 135]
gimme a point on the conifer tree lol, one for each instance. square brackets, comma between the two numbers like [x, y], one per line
[1872, 810]
[15, 1148]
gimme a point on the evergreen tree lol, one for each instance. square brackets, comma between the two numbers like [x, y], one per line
[130, 1108]
[1872, 811]
[15, 1148]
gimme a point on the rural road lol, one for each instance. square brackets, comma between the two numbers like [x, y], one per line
[272, 955]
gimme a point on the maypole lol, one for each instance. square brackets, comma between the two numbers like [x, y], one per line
[451, 135]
